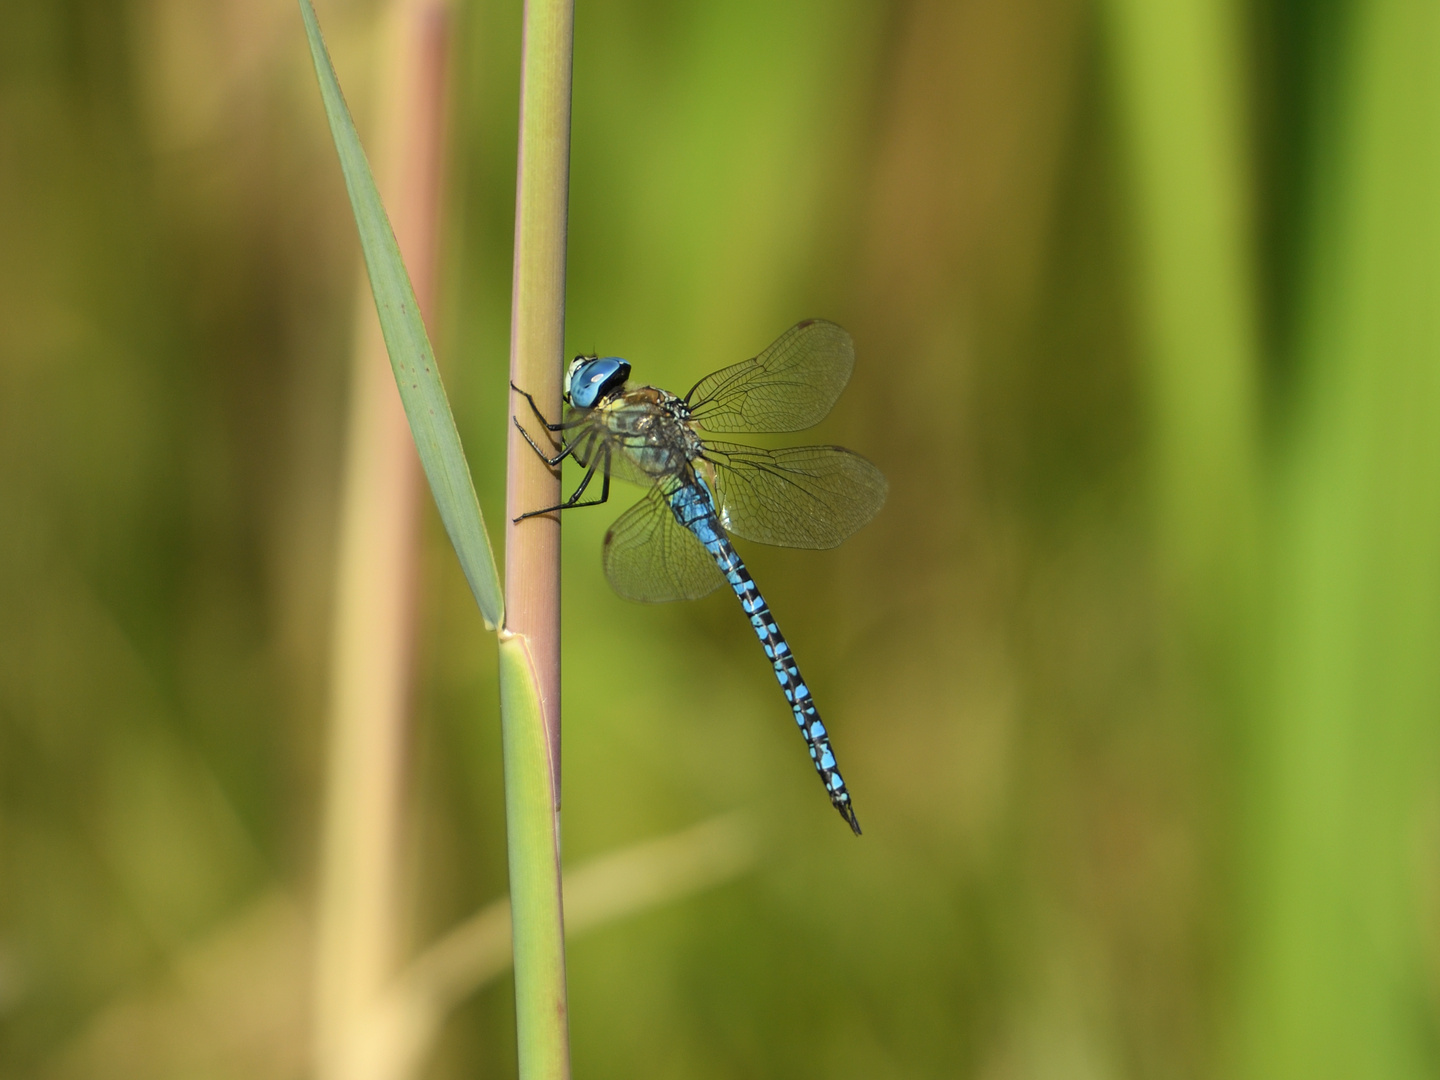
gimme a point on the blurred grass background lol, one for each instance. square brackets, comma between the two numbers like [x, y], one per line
[1134, 679]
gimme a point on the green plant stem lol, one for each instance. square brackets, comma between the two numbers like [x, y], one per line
[530, 646]
[531, 833]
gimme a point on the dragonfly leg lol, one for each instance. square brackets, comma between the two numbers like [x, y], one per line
[541, 416]
[573, 502]
[566, 450]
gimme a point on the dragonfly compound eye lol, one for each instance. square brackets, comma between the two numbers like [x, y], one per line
[592, 377]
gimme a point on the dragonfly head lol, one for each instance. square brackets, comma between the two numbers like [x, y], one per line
[590, 378]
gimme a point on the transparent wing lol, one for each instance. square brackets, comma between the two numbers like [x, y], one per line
[802, 496]
[790, 386]
[651, 557]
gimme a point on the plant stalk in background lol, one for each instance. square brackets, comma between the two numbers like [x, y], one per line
[373, 635]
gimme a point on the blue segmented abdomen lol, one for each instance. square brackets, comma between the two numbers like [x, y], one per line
[695, 510]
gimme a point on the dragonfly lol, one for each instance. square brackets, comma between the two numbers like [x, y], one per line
[674, 543]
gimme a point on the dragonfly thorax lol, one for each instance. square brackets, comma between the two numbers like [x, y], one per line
[591, 378]
[650, 428]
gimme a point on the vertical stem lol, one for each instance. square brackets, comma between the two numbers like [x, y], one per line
[537, 341]
[530, 647]
[375, 585]
[531, 832]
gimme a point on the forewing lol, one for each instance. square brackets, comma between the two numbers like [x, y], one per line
[801, 497]
[790, 386]
[651, 557]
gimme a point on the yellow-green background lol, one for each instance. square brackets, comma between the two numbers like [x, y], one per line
[1135, 679]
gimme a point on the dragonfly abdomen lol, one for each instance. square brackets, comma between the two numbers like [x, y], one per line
[694, 508]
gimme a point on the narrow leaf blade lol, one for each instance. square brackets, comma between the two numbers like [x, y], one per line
[416, 374]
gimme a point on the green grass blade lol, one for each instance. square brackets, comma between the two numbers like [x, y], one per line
[416, 373]
[537, 925]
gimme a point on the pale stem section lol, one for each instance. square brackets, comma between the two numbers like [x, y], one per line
[537, 341]
[376, 578]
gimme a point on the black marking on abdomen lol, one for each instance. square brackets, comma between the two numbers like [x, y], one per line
[695, 510]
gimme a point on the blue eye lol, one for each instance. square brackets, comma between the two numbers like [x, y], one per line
[592, 377]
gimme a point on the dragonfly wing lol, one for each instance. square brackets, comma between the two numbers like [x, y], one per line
[651, 557]
[790, 386]
[802, 496]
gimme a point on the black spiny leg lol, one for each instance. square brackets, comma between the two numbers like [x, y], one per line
[566, 451]
[541, 416]
[567, 448]
[573, 502]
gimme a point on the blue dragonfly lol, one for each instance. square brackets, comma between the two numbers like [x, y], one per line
[674, 544]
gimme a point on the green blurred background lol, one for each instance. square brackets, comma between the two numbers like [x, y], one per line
[1136, 678]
